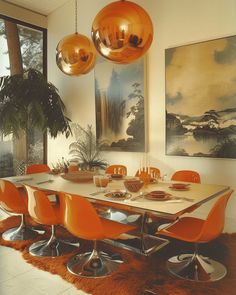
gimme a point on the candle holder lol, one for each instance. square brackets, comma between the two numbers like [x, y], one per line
[145, 177]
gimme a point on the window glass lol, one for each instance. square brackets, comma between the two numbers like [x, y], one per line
[15, 154]
[31, 48]
[4, 57]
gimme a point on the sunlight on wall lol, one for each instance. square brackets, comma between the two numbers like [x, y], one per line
[175, 23]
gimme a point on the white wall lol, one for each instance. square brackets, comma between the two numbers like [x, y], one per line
[175, 23]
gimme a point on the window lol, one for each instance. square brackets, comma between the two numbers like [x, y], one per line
[22, 46]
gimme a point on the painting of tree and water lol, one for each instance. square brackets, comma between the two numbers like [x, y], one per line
[201, 99]
[120, 112]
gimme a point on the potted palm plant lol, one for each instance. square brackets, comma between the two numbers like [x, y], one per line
[28, 100]
[86, 149]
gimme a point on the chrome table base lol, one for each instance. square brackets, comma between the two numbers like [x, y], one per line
[94, 264]
[195, 267]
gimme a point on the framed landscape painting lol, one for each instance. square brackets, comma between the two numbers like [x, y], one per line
[201, 99]
[120, 105]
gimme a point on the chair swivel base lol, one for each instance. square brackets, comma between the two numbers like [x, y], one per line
[195, 267]
[93, 264]
[53, 248]
[21, 233]
[112, 256]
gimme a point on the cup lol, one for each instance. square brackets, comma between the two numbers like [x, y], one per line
[96, 180]
[103, 180]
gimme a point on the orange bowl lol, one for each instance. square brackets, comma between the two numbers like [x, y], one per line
[133, 185]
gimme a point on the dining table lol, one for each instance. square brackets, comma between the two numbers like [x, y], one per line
[134, 207]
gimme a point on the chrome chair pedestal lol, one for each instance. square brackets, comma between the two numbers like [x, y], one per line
[53, 247]
[20, 233]
[195, 267]
[198, 231]
[93, 264]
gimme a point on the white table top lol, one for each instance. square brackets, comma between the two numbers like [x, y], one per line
[199, 193]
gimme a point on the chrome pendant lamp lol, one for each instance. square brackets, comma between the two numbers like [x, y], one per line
[122, 32]
[76, 54]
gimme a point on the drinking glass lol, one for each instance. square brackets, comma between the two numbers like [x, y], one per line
[103, 180]
[96, 180]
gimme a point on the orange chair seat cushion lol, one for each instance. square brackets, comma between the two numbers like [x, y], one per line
[113, 229]
[24, 196]
[12, 199]
[185, 229]
[57, 212]
[41, 209]
[52, 219]
[196, 230]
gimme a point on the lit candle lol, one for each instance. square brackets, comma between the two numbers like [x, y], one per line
[149, 168]
[145, 163]
[140, 165]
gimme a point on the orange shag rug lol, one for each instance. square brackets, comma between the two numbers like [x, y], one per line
[138, 272]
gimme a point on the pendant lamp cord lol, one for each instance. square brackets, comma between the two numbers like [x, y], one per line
[76, 19]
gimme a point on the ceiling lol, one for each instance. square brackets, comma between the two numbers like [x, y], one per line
[44, 7]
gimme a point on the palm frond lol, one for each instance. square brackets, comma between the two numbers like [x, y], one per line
[86, 149]
[28, 99]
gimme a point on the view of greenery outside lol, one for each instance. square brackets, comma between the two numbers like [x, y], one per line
[21, 48]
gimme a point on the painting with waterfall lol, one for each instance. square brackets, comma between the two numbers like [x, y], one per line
[201, 99]
[120, 105]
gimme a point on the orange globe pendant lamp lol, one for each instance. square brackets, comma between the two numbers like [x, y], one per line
[76, 54]
[122, 32]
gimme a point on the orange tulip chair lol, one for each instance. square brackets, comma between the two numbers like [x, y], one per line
[194, 230]
[14, 202]
[82, 221]
[116, 169]
[155, 172]
[187, 176]
[37, 168]
[44, 212]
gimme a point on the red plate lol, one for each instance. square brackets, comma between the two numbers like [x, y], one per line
[118, 195]
[179, 189]
[157, 196]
